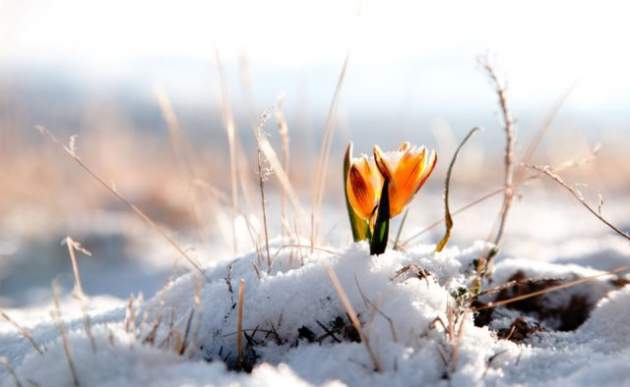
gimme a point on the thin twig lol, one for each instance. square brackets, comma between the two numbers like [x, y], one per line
[447, 183]
[343, 297]
[135, 209]
[577, 195]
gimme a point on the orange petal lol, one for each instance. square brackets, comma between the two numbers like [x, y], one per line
[430, 166]
[381, 162]
[361, 193]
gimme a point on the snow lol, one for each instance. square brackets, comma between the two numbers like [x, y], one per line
[292, 296]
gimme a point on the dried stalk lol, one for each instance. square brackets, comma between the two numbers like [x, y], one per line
[56, 314]
[324, 155]
[283, 130]
[182, 151]
[447, 183]
[481, 199]
[550, 289]
[508, 194]
[577, 195]
[343, 297]
[372, 305]
[230, 128]
[69, 150]
[281, 175]
[23, 332]
[5, 362]
[533, 145]
[397, 246]
[262, 175]
[87, 324]
[239, 322]
[74, 246]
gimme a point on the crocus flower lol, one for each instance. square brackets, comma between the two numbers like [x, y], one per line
[406, 170]
[363, 186]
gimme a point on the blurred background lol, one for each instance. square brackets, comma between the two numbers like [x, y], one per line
[110, 72]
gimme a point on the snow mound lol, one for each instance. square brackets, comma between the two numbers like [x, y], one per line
[297, 331]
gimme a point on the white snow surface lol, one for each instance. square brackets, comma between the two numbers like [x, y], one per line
[293, 295]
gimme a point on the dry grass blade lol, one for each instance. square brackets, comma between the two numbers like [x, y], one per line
[56, 314]
[23, 332]
[551, 289]
[508, 194]
[343, 297]
[262, 175]
[367, 301]
[280, 173]
[577, 195]
[483, 198]
[447, 183]
[230, 128]
[182, 151]
[239, 322]
[136, 210]
[73, 247]
[397, 245]
[533, 145]
[324, 154]
[283, 130]
[5, 362]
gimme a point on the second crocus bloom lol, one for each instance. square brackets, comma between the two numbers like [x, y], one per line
[406, 170]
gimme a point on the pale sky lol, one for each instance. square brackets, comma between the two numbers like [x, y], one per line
[399, 48]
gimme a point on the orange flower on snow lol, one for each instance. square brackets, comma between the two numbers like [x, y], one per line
[406, 170]
[363, 186]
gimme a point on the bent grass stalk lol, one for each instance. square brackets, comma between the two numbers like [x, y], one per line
[447, 183]
[74, 246]
[343, 297]
[69, 150]
[578, 196]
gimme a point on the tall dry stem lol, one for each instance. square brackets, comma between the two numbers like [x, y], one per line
[324, 154]
[485, 262]
[230, 129]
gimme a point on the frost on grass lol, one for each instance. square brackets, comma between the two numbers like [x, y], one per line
[296, 332]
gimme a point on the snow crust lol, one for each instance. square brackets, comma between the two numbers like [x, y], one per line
[294, 297]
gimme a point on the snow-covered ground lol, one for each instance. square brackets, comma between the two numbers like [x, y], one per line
[297, 331]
